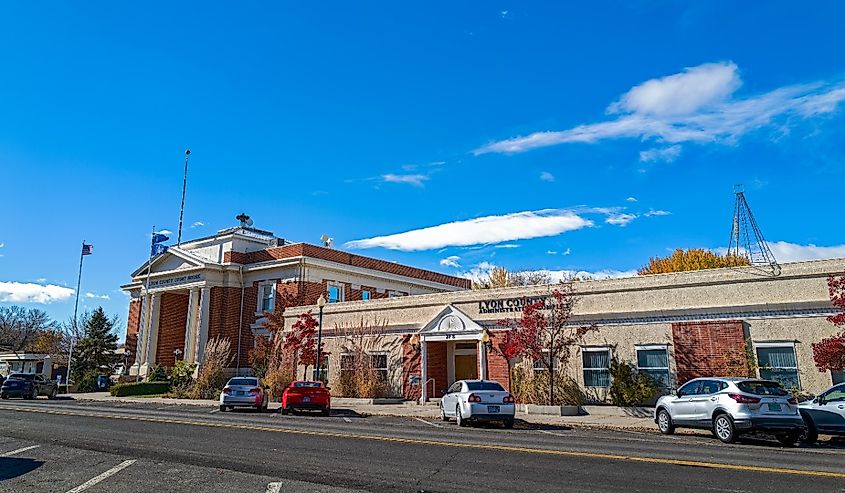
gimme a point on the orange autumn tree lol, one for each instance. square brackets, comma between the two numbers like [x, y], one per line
[829, 353]
[693, 259]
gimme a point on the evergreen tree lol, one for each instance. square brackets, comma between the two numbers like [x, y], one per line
[95, 350]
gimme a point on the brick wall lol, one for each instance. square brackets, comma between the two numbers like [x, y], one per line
[436, 367]
[224, 309]
[709, 349]
[314, 251]
[133, 325]
[173, 315]
[410, 366]
[497, 369]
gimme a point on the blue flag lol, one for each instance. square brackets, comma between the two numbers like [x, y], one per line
[157, 249]
[159, 238]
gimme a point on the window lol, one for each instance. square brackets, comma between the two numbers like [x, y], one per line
[596, 367]
[347, 362]
[654, 362]
[761, 388]
[243, 381]
[710, 387]
[394, 294]
[335, 293]
[542, 364]
[777, 362]
[365, 295]
[836, 394]
[485, 386]
[379, 364]
[689, 389]
[267, 297]
[456, 387]
[838, 377]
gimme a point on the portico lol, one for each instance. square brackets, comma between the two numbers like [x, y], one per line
[451, 349]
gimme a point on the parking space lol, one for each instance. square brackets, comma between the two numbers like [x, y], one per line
[27, 466]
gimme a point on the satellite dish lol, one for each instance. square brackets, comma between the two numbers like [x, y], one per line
[249, 222]
[327, 241]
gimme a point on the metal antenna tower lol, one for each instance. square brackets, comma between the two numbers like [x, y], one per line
[747, 239]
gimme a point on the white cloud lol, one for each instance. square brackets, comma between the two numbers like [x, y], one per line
[631, 199]
[198, 224]
[482, 230]
[483, 270]
[450, 261]
[621, 219]
[666, 154]
[696, 105]
[2, 245]
[656, 212]
[165, 232]
[90, 295]
[791, 252]
[20, 292]
[507, 245]
[546, 176]
[551, 252]
[683, 93]
[567, 251]
[415, 180]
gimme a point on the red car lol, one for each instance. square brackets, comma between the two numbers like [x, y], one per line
[303, 394]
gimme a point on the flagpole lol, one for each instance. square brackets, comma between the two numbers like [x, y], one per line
[147, 305]
[182, 207]
[75, 311]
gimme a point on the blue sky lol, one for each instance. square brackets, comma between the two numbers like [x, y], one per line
[523, 134]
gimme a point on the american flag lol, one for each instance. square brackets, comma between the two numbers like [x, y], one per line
[87, 249]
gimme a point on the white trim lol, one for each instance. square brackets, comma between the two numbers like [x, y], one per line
[596, 349]
[261, 289]
[340, 288]
[655, 347]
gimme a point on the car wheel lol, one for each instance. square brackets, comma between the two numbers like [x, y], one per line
[508, 423]
[34, 394]
[790, 439]
[325, 412]
[664, 422]
[4, 396]
[443, 416]
[52, 394]
[222, 409]
[724, 428]
[285, 411]
[810, 434]
[458, 418]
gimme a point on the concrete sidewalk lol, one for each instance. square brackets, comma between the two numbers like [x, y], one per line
[635, 419]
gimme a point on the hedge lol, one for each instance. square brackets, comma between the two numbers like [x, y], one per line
[139, 388]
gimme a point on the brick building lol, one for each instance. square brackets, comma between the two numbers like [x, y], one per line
[673, 327]
[221, 285]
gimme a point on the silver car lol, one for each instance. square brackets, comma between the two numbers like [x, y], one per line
[825, 414]
[729, 407]
[477, 400]
[244, 392]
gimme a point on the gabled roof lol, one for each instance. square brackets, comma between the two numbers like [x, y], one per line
[172, 252]
[451, 321]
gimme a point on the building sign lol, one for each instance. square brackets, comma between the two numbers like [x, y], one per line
[175, 281]
[510, 305]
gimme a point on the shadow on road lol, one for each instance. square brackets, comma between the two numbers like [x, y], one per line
[525, 425]
[11, 467]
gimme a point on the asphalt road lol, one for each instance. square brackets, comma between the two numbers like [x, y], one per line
[65, 446]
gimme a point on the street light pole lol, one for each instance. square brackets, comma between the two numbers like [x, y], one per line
[321, 302]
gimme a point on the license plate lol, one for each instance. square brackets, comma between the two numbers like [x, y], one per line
[774, 407]
[306, 399]
[492, 409]
[239, 392]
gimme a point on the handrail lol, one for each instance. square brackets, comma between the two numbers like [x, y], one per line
[425, 387]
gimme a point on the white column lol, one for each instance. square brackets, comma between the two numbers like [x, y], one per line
[424, 371]
[482, 354]
[152, 334]
[191, 325]
[141, 337]
[202, 324]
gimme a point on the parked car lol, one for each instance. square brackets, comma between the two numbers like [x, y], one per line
[729, 407]
[306, 395]
[244, 392]
[825, 414]
[28, 386]
[477, 400]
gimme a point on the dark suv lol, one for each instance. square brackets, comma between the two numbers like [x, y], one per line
[28, 386]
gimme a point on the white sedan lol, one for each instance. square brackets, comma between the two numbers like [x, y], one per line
[477, 400]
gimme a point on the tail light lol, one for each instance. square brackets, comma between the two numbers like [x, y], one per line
[792, 400]
[227, 390]
[508, 399]
[744, 399]
[474, 398]
[255, 390]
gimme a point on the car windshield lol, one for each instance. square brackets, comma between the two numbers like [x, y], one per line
[761, 387]
[484, 386]
[21, 376]
[307, 384]
[243, 381]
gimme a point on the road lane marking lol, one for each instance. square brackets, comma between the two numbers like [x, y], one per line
[347, 420]
[442, 443]
[428, 423]
[214, 411]
[274, 488]
[96, 479]
[13, 452]
[552, 433]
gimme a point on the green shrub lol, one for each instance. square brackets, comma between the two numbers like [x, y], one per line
[182, 374]
[156, 374]
[140, 388]
[628, 387]
[88, 382]
[532, 387]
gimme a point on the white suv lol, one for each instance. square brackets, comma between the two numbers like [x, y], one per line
[731, 406]
[824, 414]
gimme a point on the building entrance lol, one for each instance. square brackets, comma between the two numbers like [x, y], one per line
[466, 367]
